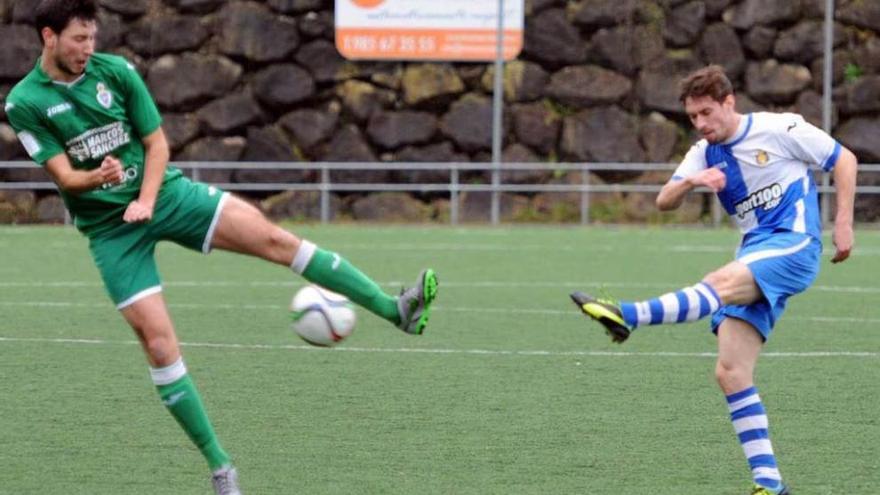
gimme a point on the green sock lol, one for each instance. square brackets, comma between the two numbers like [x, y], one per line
[183, 402]
[335, 273]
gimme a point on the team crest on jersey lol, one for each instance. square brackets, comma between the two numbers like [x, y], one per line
[762, 158]
[105, 97]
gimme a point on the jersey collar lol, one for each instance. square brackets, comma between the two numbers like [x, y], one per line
[742, 131]
[44, 78]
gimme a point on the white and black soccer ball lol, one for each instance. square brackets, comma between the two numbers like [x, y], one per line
[321, 317]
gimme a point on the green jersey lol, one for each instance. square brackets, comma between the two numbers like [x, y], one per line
[106, 111]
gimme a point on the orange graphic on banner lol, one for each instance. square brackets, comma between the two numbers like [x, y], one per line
[367, 4]
[426, 44]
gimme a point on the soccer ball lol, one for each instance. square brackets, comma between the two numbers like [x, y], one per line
[321, 317]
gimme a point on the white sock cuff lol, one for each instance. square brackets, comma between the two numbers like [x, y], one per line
[303, 256]
[168, 374]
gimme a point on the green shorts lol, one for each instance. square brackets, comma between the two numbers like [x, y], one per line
[186, 213]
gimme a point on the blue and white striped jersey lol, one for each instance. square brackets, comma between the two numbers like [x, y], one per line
[767, 165]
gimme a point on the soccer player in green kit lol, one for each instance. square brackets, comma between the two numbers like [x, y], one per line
[90, 121]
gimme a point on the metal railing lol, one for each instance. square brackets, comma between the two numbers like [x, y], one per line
[453, 187]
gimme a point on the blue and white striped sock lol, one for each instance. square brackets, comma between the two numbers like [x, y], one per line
[688, 304]
[750, 422]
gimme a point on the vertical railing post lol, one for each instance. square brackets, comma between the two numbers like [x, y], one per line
[828, 74]
[716, 210]
[585, 195]
[325, 194]
[453, 195]
[497, 107]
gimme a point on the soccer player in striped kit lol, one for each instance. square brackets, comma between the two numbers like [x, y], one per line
[759, 166]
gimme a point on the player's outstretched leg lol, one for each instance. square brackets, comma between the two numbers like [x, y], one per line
[409, 312]
[605, 312]
[414, 304]
[620, 318]
[225, 481]
[243, 229]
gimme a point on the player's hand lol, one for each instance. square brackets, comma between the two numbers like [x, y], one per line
[843, 241]
[138, 212]
[111, 171]
[712, 178]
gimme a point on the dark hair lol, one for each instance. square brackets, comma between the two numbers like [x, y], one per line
[57, 14]
[708, 81]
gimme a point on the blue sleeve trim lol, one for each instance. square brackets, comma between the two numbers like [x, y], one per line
[677, 177]
[829, 163]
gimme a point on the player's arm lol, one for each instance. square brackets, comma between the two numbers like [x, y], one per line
[814, 146]
[156, 155]
[674, 191]
[79, 181]
[45, 148]
[845, 186]
[693, 172]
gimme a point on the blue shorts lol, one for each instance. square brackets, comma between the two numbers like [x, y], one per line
[783, 264]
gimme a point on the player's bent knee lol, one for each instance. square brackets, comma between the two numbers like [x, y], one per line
[281, 245]
[717, 279]
[731, 377]
[162, 350]
[279, 237]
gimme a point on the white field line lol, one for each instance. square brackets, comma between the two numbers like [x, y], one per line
[584, 246]
[451, 309]
[479, 352]
[488, 284]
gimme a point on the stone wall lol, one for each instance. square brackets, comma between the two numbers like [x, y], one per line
[596, 81]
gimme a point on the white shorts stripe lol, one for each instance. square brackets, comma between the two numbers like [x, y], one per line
[773, 253]
[750, 423]
[140, 295]
[209, 237]
[670, 307]
[744, 402]
[757, 447]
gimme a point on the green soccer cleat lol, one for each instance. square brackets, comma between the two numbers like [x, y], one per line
[414, 304]
[760, 490]
[605, 312]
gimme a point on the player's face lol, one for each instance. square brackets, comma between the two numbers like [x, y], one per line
[714, 120]
[71, 49]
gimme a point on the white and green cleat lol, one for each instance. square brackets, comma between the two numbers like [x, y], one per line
[414, 304]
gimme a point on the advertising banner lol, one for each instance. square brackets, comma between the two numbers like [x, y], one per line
[452, 30]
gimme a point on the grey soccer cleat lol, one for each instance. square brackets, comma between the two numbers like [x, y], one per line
[225, 481]
[414, 304]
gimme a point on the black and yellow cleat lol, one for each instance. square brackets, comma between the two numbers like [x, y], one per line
[760, 490]
[605, 312]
